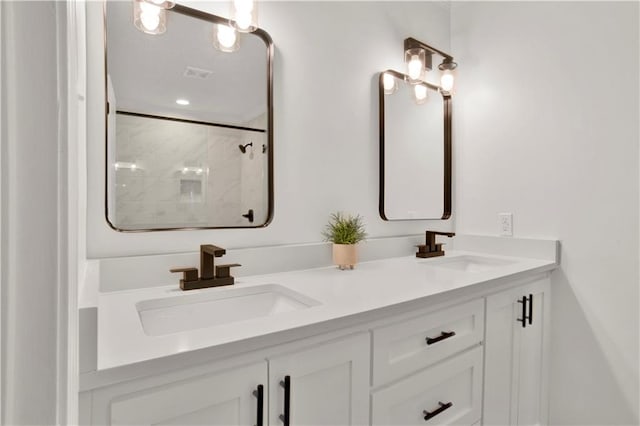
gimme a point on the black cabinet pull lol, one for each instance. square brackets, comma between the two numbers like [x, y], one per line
[523, 320]
[530, 309]
[443, 406]
[286, 384]
[259, 394]
[443, 335]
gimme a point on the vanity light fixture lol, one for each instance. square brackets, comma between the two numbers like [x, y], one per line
[244, 15]
[225, 38]
[447, 74]
[389, 84]
[420, 93]
[418, 57]
[183, 102]
[149, 17]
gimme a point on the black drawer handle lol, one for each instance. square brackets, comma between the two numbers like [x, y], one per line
[259, 394]
[524, 318]
[442, 336]
[286, 384]
[443, 406]
[530, 309]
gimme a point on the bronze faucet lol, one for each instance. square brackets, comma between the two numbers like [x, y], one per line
[210, 275]
[430, 248]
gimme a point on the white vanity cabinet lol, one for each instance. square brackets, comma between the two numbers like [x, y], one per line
[516, 356]
[328, 382]
[478, 359]
[448, 393]
[449, 390]
[222, 398]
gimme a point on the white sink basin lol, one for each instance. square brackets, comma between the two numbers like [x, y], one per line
[469, 263]
[189, 312]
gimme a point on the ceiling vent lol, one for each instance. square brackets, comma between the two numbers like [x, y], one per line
[200, 73]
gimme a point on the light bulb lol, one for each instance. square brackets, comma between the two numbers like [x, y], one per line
[446, 80]
[388, 83]
[150, 20]
[243, 21]
[243, 6]
[225, 38]
[183, 102]
[420, 93]
[414, 67]
[244, 15]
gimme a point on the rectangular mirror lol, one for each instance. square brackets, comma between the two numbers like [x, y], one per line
[189, 126]
[415, 149]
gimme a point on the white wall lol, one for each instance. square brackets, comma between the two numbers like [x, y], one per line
[32, 247]
[327, 58]
[546, 127]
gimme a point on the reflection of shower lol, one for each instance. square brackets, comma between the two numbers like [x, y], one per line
[243, 148]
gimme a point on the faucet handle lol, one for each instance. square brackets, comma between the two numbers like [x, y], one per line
[188, 274]
[222, 271]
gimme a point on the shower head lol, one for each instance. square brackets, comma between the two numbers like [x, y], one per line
[243, 148]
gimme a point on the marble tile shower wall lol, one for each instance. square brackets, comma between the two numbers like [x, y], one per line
[186, 174]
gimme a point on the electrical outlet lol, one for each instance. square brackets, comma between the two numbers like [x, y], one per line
[506, 224]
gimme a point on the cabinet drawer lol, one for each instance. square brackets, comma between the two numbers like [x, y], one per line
[410, 345]
[450, 391]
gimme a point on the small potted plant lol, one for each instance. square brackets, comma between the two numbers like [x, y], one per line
[345, 232]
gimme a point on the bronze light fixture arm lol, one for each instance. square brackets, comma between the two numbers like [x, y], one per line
[412, 43]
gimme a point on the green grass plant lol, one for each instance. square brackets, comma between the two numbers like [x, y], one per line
[344, 229]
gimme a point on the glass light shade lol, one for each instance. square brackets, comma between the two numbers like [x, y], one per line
[389, 84]
[415, 60]
[164, 4]
[225, 38]
[244, 15]
[149, 18]
[420, 93]
[447, 80]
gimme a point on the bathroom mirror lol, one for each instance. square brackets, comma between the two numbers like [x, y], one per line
[189, 126]
[415, 149]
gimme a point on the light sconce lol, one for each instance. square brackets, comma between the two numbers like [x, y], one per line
[420, 93]
[244, 15]
[418, 57]
[389, 84]
[225, 38]
[149, 18]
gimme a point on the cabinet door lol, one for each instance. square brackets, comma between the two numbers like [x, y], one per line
[329, 384]
[448, 393]
[516, 364]
[225, 398]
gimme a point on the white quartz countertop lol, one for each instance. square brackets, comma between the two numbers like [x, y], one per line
[369, 287]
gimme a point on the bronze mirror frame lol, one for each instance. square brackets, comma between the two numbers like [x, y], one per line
[213, 19]
[446, 97]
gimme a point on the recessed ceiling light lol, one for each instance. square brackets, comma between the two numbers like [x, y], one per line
[182, 101]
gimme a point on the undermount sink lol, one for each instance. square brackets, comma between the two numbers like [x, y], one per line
[189, 312]
[469, 263]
